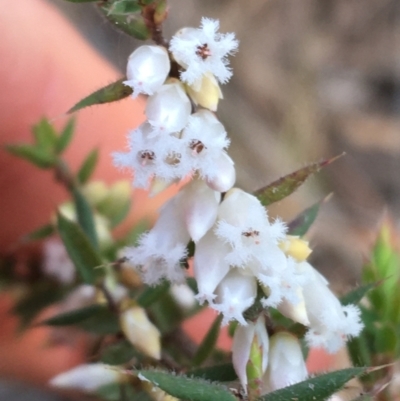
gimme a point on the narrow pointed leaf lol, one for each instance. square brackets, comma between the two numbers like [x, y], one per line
[316, 389]
[186, 388]
[88, 166]
[222, 373]
[302, 223]
[80, 250]
[40, 233]
[359, 351]
[65, 137]
[121, 7]
[110, 93]
[45, 135]
[355, 296]
[85, 216]
[34, 155]
[286, 185]
[119, 353]
[208, 344]
[152, 294]
[82, 1]
[73, 317]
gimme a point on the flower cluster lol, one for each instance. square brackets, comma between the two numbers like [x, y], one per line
[238, 249]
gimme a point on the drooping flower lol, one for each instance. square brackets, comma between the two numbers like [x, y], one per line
[203, 50]
[147, 69]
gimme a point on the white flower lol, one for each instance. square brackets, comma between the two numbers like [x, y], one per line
[89, 377]
[168, 109]
[286, 364]
[203, 50]
[147, 69]
[243, 340]
[225, 174]
[235, 293]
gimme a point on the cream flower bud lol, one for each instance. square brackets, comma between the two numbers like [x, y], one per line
[168, 109]
[199, 207]
[209, 265]
[95, 192]
[235, 294]
[147, 70]
[246, 339]
[297, 312]
[295, 247]
[141, 332]
[286, 364]
[89, 377]
[117, 199]
[225, 174]
[183, 295]
[205, 92]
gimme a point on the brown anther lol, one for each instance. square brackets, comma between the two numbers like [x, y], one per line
[197, 146]
[146, 156]
[173, 158]
[203, 51]
[251, 233]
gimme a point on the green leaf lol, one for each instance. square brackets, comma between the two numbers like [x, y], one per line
[191, 389]
[317, 388]
[118, 353]
[208, 344]
[359, 350]
[40, 233]
[32, 154]
[79, 249]
[110, 93]
[103, 322]
[73, 317]
[152, 294]
[386, 339]
[85, 216]
[222, 373]
[166, 314]
[38, 298]
[65, 137]
[302, 223]
[82, 1]
[132, 24]
[45, 135]
[286, 185]
[88, 166]
[121, 7]
[355, 296]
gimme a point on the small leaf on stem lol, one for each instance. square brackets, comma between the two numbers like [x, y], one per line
[88, 166]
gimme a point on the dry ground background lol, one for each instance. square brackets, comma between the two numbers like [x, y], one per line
[312, 79]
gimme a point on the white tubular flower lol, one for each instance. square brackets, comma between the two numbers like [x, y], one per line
[243, 224]
[199, 206]
[160, 251]
[286, 364]
[150, 156]
[205, 141]
[235, 293]
[168, 109]
[331, 324]
[205, 92]
[141, 332]
[244, 339]
[203, 50]
[209, 265]
[89, 377]
[147, 69]
[224, 176]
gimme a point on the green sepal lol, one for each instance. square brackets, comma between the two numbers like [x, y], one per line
[286, 185]
[110, 93]
[80, 250]
[185, 388]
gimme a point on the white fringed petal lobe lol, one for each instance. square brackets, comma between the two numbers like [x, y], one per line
[242, 341]
[236, 293]
[168, 109]
[225, 174]
[209, 265]
[286, 364]
[147, 69]
[88, 377]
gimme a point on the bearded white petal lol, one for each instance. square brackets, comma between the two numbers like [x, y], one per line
[147, 69]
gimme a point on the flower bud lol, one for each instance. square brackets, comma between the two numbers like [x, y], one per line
[183, 296]
[147, 70]
[89, 377]
[95, 192]
[286, 364]
[297, 312]
[168, 109]
[225, 174]
[141, 332]
[295, 247]
[116, 199]
[250, 352]
[205, 92]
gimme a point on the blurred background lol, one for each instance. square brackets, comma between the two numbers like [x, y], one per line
[312, 79]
